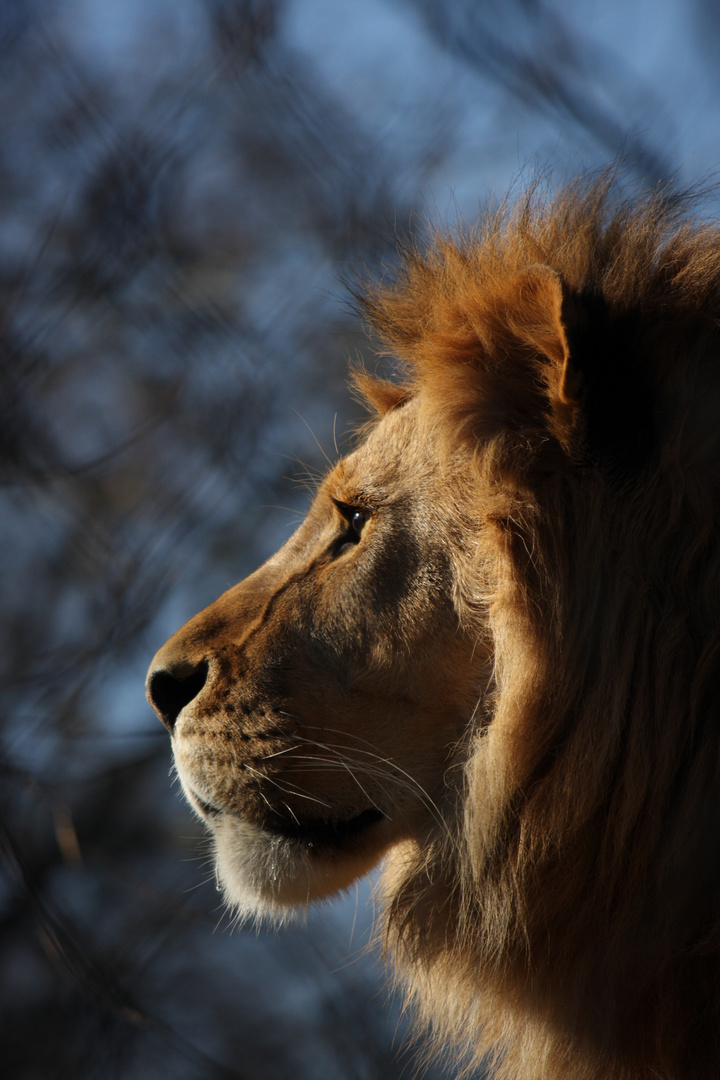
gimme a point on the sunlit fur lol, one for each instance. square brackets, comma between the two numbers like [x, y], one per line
[542, 706]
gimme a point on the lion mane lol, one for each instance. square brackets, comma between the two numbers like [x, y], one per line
[556, 916]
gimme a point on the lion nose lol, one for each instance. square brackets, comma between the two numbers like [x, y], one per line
[169, 690]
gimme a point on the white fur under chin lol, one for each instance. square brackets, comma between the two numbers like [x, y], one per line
[268, 878]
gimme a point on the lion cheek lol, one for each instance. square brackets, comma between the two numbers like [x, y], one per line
[267, 879]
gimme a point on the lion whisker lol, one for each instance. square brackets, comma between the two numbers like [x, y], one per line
[286, 790]
[279, 753]
[338, 751]
[399, 775]
[428, 801]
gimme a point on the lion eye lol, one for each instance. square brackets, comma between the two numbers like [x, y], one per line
[358, 520]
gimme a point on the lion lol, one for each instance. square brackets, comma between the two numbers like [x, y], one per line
[490, 655]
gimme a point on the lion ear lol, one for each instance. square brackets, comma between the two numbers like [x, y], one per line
[539, 312]
[543, 311]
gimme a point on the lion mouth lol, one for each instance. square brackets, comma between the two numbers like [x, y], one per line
[327, 833]
[332, 833]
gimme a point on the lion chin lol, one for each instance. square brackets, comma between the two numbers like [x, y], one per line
[490, 655]
[267, 876]
[273, 874]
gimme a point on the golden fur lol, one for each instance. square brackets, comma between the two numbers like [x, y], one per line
[492, 651]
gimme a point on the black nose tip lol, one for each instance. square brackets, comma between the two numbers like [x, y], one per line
[170, 691]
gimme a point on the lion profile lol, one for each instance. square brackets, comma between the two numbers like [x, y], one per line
[491, 653]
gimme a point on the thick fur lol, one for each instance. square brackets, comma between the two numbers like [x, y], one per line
[549, 674]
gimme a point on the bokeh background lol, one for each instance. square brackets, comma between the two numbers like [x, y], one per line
[186, 188]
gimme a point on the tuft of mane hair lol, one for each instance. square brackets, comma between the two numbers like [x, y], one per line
[568, 926]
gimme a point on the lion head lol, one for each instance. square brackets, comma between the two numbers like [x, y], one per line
[316, 707]
[491, 653]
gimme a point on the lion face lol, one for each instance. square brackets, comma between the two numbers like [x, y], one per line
[316, 707]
